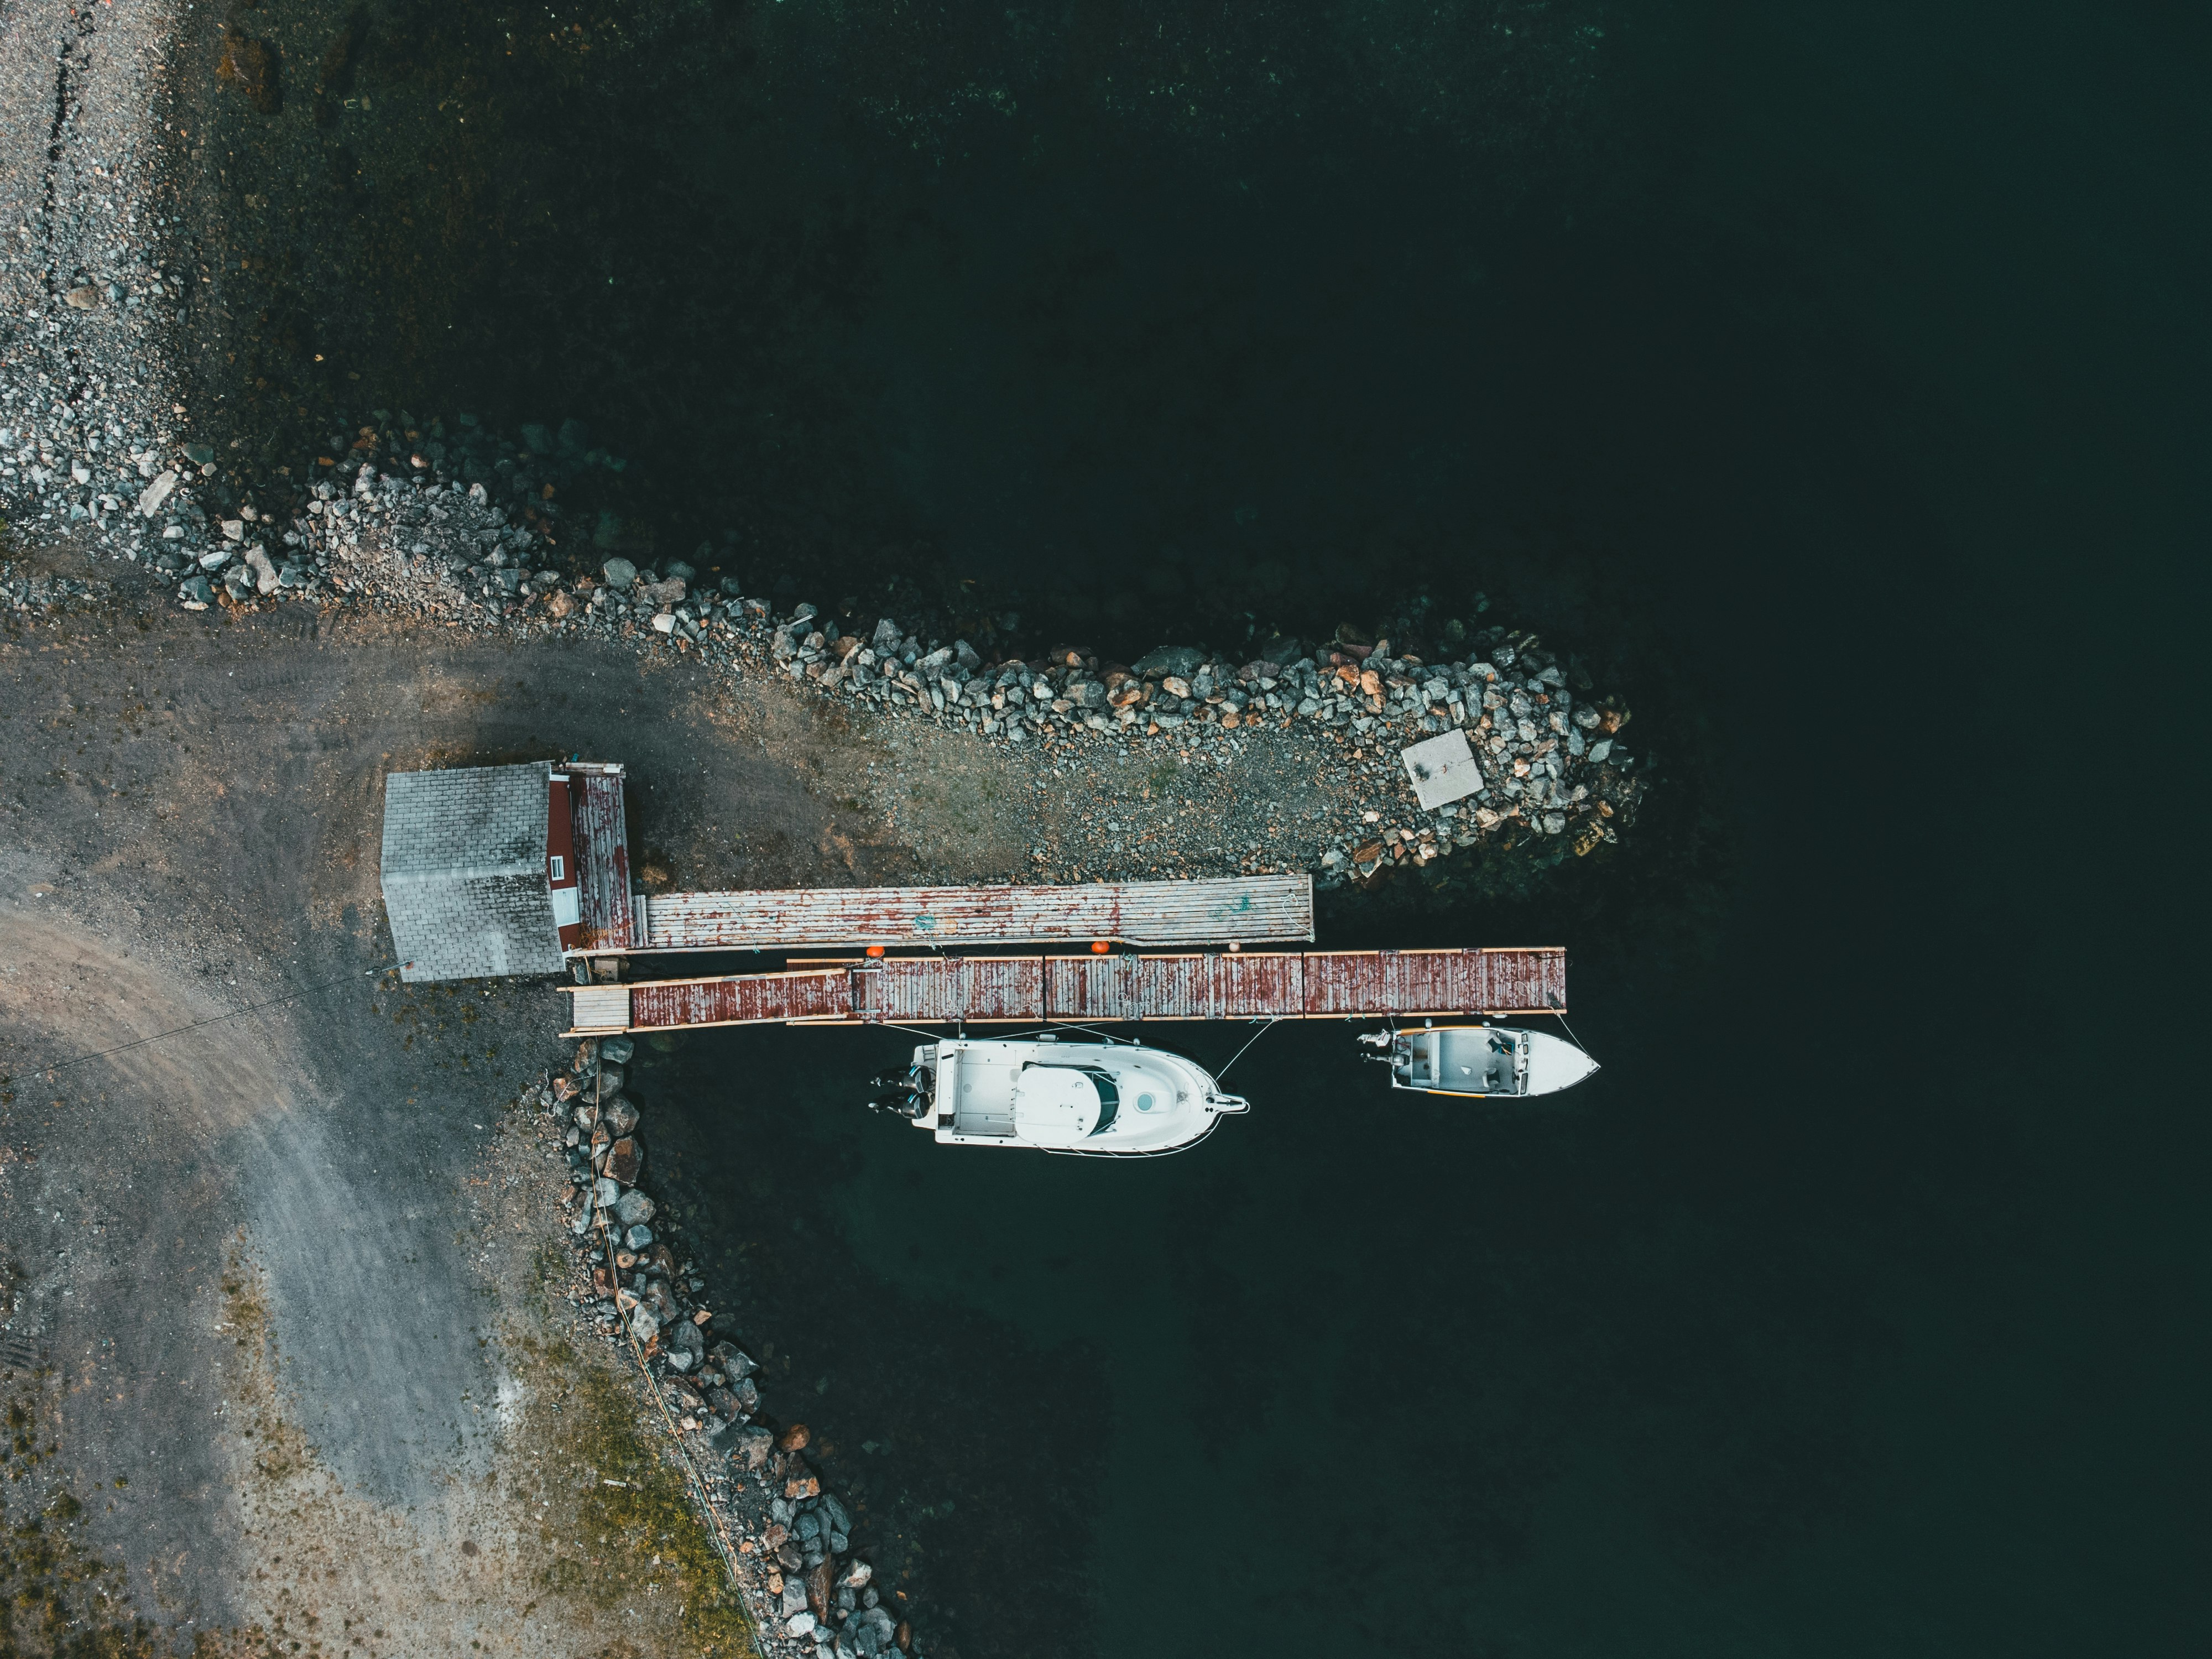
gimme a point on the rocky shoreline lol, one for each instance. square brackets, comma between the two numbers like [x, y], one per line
[788, 1541]
[390, 529]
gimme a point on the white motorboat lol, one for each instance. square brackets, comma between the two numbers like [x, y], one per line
[1090, 1098]
[1480, 1060]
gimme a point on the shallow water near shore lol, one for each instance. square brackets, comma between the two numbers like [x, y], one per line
[1748, 355]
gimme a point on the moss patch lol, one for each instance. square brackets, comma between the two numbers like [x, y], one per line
[633, 1525]
[57, 1596]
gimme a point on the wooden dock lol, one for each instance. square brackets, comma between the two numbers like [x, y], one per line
[1036, 989]
[1217, 910]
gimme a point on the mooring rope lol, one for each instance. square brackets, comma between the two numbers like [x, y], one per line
[1240, 1054]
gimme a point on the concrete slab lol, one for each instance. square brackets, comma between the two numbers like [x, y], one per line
[1442, 770]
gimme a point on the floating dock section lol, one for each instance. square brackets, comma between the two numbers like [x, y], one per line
[1237, 909]
[1032, 990]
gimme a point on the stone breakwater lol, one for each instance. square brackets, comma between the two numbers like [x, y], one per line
[1547, 759]
[794, 1545]
[416, 542]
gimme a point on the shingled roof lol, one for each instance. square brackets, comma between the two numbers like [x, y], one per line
[464, 872]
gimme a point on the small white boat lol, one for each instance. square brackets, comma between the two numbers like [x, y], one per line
[1480, 1060]
[1090, 1098]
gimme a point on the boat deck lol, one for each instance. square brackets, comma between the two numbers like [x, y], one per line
[1036, 989]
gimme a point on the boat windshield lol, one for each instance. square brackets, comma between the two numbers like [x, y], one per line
[1110, 1097]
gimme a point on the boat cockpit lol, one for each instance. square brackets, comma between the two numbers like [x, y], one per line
[1461, 1060]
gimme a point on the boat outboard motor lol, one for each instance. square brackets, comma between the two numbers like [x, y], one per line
[901, 1095]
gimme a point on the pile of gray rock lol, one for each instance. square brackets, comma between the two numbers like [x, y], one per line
[78, 467]
[424, 546]
[1550, 756]
[810, 1595]
[1548, 753]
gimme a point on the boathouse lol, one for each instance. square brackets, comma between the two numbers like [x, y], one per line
[464, 872]
[505, 869]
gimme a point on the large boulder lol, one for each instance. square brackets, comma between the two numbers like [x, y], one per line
[752, 1447]
[724, 1404]
[634, 1208]
[872, 1631]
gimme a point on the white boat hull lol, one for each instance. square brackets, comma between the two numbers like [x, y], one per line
[1482, 1061]
[1086, 1098]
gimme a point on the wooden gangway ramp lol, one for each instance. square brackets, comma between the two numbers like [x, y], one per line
[981, 990]
[613, 922]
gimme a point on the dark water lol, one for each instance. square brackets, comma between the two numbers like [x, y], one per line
[1830, 378]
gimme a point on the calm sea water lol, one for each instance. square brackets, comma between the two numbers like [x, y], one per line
[1826, 376]
[1788, 362]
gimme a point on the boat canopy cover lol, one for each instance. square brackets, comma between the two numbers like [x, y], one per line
[1064, 1105]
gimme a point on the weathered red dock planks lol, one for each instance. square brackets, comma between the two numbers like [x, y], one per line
[602, 835]
[1040, 989]
[819, 994]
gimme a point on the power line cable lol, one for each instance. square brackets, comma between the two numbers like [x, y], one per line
[217, 1019]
